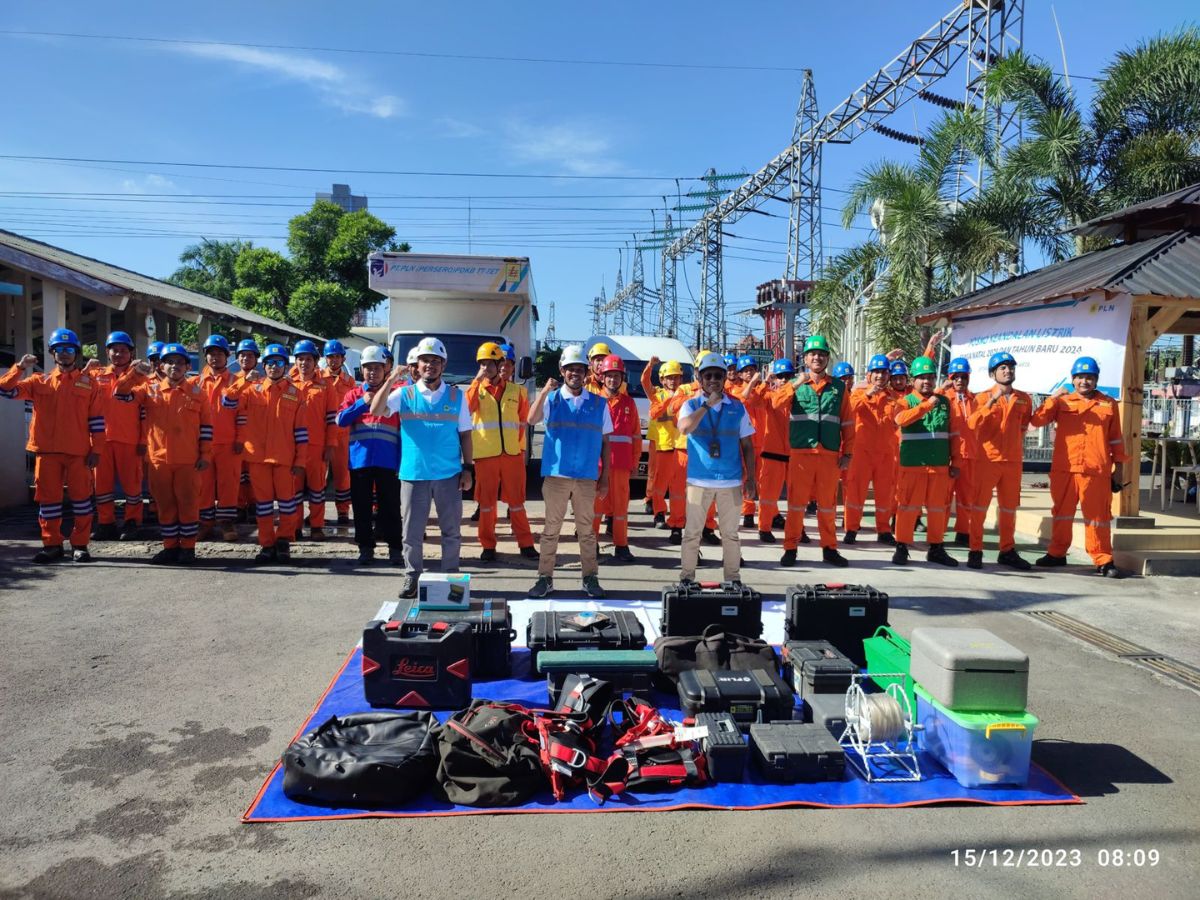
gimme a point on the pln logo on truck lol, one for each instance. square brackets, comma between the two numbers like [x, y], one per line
[378, 267]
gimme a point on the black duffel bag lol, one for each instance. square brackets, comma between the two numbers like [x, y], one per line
[365, 761]
[488, 756]
[715, 650]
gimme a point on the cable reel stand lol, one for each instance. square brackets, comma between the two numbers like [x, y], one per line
[878, 738]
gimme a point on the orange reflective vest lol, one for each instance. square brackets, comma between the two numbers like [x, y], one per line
[68, 410]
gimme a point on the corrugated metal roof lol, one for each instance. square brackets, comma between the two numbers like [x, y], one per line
[105, 279]
[1161, 215]
[1167, 266]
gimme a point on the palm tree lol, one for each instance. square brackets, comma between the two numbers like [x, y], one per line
[209, 267]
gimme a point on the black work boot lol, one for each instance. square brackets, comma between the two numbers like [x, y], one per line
[1013, 560]
[937, 554]
[900, 555]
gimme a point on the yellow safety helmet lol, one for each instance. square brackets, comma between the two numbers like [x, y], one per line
[489, 350]
[670, 367]
[599, 350]
[699, 356]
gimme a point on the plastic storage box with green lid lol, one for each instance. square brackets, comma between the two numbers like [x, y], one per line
[980, 749]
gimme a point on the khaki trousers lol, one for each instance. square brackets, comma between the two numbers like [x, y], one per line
[556, 493]
[729, 508]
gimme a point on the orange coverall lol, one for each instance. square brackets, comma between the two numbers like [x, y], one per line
[219, 482]
[179, 432]
[1087, 442]
[962, 488]
[272, 431]
[876, 461]
[773, 457]
[340, 384]
[922, 486]
[67, 426]
[624, 449]
[320, 410]
[501, 477]
[1000, 433]
[813, 472]
[119, 459]
[756, 409]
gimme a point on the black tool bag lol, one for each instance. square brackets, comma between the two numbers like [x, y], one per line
[366, 761]
[715, 650]
[691, 607]
[488, 756]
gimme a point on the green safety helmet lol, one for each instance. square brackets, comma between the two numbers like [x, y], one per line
[922, 365]
[816, 342]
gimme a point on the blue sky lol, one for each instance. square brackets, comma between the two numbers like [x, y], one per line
[308, 108]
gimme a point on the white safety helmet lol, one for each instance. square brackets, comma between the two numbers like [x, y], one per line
[710, 361]
[572, 355]
[373, 354]
[431, 346]
[412, 357]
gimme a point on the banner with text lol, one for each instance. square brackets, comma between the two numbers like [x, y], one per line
[1046, 340]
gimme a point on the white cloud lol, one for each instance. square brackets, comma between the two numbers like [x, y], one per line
[149, 184]
[573, 147]
[333, 84]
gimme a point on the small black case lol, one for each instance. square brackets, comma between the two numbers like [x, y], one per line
[843, 614]
[690, 608]
[724, 748]
[753, 695]
[796, 751]
[610, 629]
[407, 666]
[816, 667]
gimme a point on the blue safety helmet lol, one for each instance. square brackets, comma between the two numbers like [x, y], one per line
[898, 367]
[1085, 365]
[879, 363]
[274, 350]
[247, 345]
[998, 359]
[730, 360]
[154, 351]
[745, 362]
[174, 350]
[335, 346]
[959, 366]
[119, 337]
[216, 342]
[842, 369]
[64, 337]
[783, 367]
[304, 347]
[509, 351]
[387, 354]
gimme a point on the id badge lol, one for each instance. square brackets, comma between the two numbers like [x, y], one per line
[714, 449]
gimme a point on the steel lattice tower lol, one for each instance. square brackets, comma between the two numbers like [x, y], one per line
[668, 306]
[805, 251]
[710, 317]
[618, 294]
[551, 336]
[637, 311]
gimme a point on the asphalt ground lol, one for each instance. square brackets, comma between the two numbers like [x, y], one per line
[143, 706]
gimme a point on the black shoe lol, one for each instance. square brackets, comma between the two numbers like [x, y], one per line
[488, 554]
[80, 554]
[395, 556]
[919, 525]
[766, 537]
[530, 552]
[48, 555]
[804, 538]
[608, 525]
[937, 554]
[900, 555]
[265, 555]
[106, 532]
[779, 521]
[831, 556]
[1109, 570]
[974, 559]
[962, 540]
[676, 537]
[622, 554]
[187, 556]
[850, 537]
[475, 515]
[591, 587]
[344, 521]
[167, 556]
[541, 588]
[366, 556]
[747, 521]
[788, 558]
[1013, 560]
[129, 531]
[660, 521]
[711, 538]
[886, 537]
[283, 551]
[408, 589]
[1050, 561]
[243, 516]
[811, 509]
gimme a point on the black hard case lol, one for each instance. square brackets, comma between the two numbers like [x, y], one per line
[690, 608]
[754, 695]
[491, 632]
[551, 630]
[724, 748]
[407, 666]
[796, 751]
[816, 667]
[843, 614]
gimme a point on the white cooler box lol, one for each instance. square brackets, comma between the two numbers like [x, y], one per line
[970, 669]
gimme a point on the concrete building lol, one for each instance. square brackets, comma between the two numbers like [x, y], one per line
[342, 197]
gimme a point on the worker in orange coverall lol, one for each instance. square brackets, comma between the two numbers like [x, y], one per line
[219, 481]
[999, 422]
[179, 436]
[774, 457]
[121, 458]
[272, 435]
[66, 437]
[341, 383]
[962, 488]
[667, 477]
[625, 449]
[750, 388]
[1087, 466]
[320, 413]
[875, 463]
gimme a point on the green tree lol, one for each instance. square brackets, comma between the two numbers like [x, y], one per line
[208, 267]
[265, 280]
[322, 307]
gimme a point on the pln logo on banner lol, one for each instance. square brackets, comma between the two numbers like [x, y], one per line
[379, 267]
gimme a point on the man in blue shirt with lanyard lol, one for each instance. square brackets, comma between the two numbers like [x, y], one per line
[720, 462]
[435, 457]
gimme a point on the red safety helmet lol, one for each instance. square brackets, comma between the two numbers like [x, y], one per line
[612, 363]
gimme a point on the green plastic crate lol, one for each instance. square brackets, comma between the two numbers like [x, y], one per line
[888, 652]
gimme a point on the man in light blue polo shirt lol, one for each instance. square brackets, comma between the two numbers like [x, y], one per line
[435, 457]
